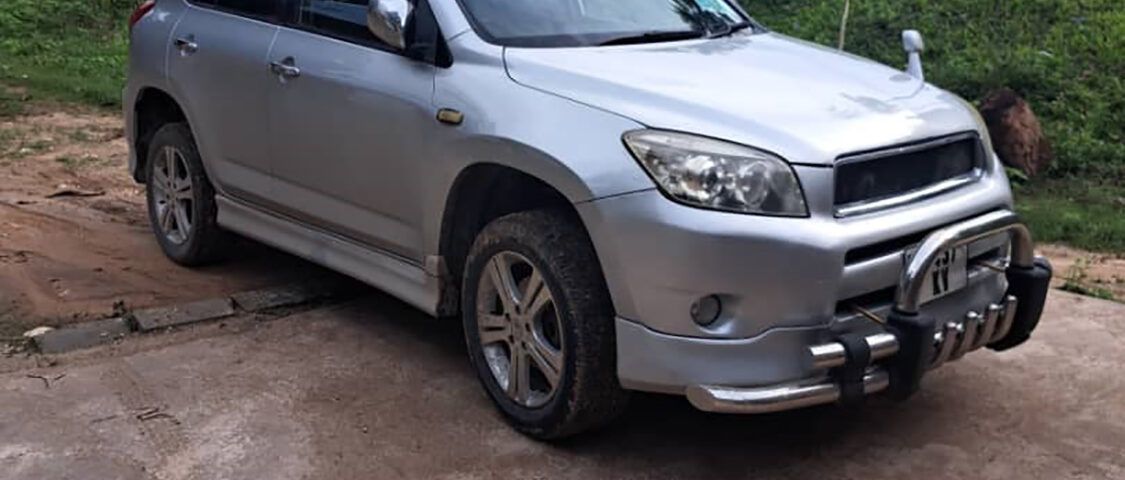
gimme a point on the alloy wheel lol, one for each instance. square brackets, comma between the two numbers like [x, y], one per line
[173, 196]
[520, 330]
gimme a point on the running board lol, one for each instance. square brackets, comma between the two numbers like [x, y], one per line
[389, 273]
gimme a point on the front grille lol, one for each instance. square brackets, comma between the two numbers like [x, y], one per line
[872, 177]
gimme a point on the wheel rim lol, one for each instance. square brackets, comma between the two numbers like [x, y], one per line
[173, 196]
[520, 330]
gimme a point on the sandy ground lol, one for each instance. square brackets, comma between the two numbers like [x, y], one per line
[74, 257]
[375, 389]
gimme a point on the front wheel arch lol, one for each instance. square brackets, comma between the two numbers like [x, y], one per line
[480, 194]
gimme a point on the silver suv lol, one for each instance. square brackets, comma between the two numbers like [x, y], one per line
[613, 195]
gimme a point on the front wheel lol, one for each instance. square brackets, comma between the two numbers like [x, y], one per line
[539, 325]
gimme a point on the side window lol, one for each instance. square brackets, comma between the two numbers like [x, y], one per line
[266, 9]
[343, 19]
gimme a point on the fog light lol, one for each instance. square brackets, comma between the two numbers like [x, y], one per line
[705, 311]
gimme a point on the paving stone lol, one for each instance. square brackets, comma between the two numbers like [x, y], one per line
[276, 297]
[85, 335]
[156, 318]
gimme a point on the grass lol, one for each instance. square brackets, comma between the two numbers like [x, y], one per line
[11, 102]
[1067, 57]
[1083, 214]
[65, 49]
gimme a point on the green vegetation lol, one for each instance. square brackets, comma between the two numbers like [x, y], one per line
[11, 103]
[65, 49]
[1083, 214]
[1067, 57]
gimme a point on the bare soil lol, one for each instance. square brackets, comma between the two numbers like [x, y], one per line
[75, 242]
[1102, 274]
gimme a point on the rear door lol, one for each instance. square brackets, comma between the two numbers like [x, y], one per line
[217, 67]
[350, 118]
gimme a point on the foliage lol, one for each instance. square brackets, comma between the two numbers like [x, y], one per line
[70, 49]
[11, 103]
[1077, 212]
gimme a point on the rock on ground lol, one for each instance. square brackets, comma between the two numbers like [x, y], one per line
[1016, 133]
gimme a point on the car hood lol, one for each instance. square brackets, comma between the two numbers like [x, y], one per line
[807, 103]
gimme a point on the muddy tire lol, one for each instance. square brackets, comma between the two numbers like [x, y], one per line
[181, 200]
[557, 325]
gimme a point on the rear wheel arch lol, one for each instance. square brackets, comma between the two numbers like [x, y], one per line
[153, 109]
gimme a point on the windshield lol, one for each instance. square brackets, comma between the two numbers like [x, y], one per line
[571, 23]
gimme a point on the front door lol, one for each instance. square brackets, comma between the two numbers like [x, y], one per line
[217, 68]
[349, 118]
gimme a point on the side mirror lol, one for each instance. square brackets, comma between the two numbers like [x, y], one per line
[388, 19]
[914, 45]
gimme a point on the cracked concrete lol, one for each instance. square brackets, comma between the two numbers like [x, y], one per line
[374, 389]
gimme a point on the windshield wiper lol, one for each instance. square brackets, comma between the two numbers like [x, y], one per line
[654, 36]
[730, 31]
[719, 29]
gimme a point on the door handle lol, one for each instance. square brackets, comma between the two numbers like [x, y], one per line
[186, 45]
[285, 68]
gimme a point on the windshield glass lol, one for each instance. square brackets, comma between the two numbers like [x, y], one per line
[569, 23]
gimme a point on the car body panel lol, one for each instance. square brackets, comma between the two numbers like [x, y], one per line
[147, 67]
[354, 145]
[807, 103]
[771, 272]
[398, 276]
[226, 84]
[523, 132]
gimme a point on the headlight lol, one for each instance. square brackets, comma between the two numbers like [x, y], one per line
[714, 174]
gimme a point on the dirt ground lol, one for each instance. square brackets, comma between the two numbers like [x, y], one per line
[1095, 273]
[374, 389]
[74, 236]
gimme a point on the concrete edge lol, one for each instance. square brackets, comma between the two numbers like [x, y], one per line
[84, 335]
[100, 332]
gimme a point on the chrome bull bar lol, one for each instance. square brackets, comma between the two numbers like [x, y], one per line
[950, 342]
[908, 295]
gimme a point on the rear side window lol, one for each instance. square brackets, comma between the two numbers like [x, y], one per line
[343, 19]
[267, 9]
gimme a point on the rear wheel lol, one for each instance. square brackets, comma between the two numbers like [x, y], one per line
[181, 201]
[539, 325]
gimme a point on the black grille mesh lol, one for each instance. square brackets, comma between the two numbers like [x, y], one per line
[889, 176]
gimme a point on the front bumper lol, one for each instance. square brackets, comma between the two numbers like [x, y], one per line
[908, 343]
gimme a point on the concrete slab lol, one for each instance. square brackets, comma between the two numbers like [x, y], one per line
[84, 335]
[157, 318]
[374, 389]
[278, 297]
